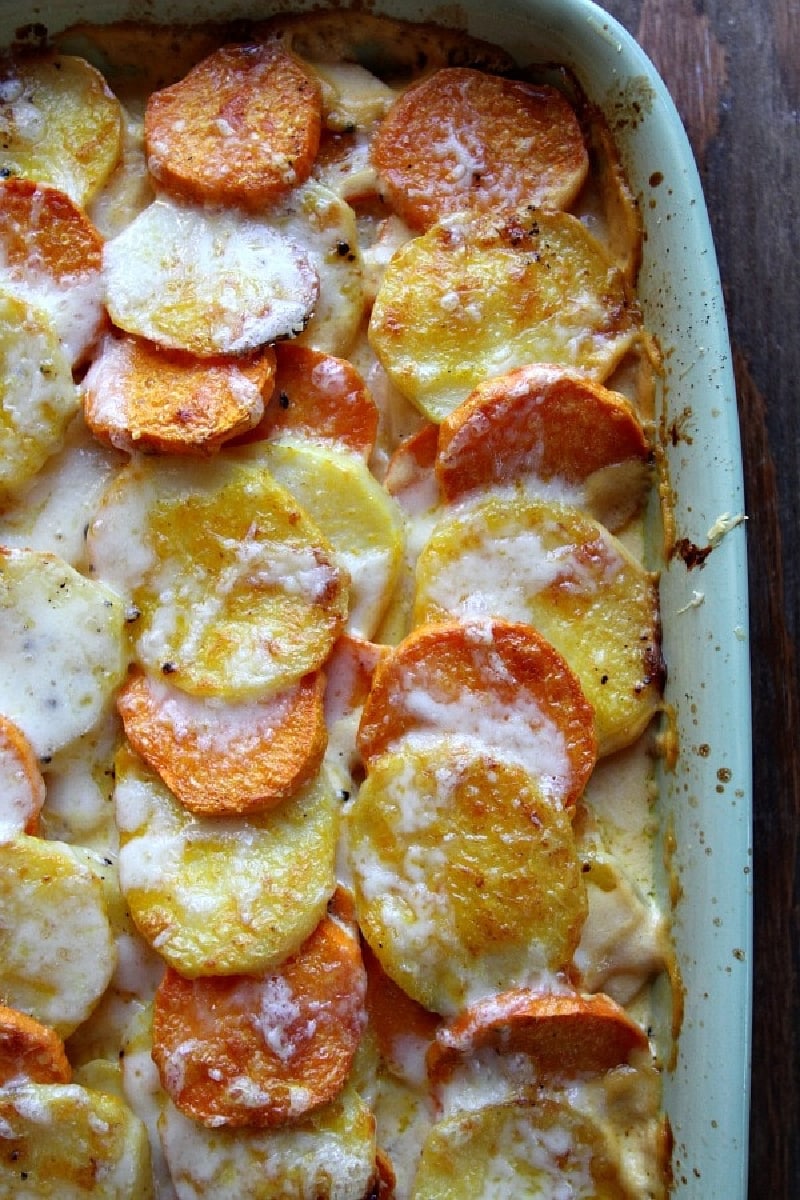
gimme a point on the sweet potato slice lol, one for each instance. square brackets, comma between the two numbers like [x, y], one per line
[493, 683]
[404, 1029]
[349, 671]
[22, 788]
[538, 420]
[263, 1051]
[137, 396]
[319, 396]
[30, 1051]
[230, 759]
[242, 127]
[410, 474]
[564, 1034]
[463, 140]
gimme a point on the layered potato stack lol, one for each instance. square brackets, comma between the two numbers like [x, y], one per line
[331, 655]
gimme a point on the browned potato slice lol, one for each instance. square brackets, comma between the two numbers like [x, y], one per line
[29, 1051]
[526, 559]
[533, 1152]
[64, 1142]
[467, 879]
[59, 124]
[477, 296]
[137, 396]
[232, 588]
[223, 897]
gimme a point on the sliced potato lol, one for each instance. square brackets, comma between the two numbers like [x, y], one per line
[59, 124]
[525, 559]
[493, 686]
[467, 880]
[51, 255]
[223, 897]
[62, 639]
[226, 759]
[233, 591]
[137, 396]
[65, 1142]
[329, 1155]
[477, 296]
[37, 396]
[355, 515]
[208, 281]
[464, 140]
[29, 1051]
[22, 788]
[57, 952]
[533, 1152]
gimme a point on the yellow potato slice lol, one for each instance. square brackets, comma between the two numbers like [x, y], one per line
[62, 640]
[533, 1152]
[477, 296]
[527, 559]
[362, 523]
[65, 1142]
[223, 897]
[467, 879]
[316, 219]
[56, 947]
[232, 588]
[59, 124]
[329, 1155]
[210, 281]
[37, 396]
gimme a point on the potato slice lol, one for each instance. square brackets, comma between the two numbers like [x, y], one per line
[37, 396]
[463, 140]
[564, 1034]
[241, 128]
[321, 397]
[536, 420]
[22, 788]
[355, 515]
[226, 759]
[526, 559]
[223, 897]
[60, 124]
[478, 296]
[65, 1142]
[467, 879]
[232, 589]
[51, 255]
[262, 1051]
[137, 396]
[56, 947]
[496, 687]
[329, 1154]
[62, 639]
[29, 1051]
[207, 281]
[538, 1151]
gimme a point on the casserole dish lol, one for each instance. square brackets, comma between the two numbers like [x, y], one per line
[705, 799]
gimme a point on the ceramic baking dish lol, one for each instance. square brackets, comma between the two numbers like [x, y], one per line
[706, 799]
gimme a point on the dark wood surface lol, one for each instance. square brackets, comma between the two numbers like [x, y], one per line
[733, 67]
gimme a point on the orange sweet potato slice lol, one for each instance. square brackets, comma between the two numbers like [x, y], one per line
[410, 474]
[463, 140]
[226, 759]
[138, 396]
[563, 1034]
[497, 682]
[22, 789]
[319, 396]
[41, 227]
[241, 128]
[403, 1027]
[30, 1051]
[536, 419]
[349, 671]
[261, 1051]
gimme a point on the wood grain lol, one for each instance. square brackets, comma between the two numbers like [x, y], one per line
[733, 67]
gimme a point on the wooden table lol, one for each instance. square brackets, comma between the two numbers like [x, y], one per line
[733, 67]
